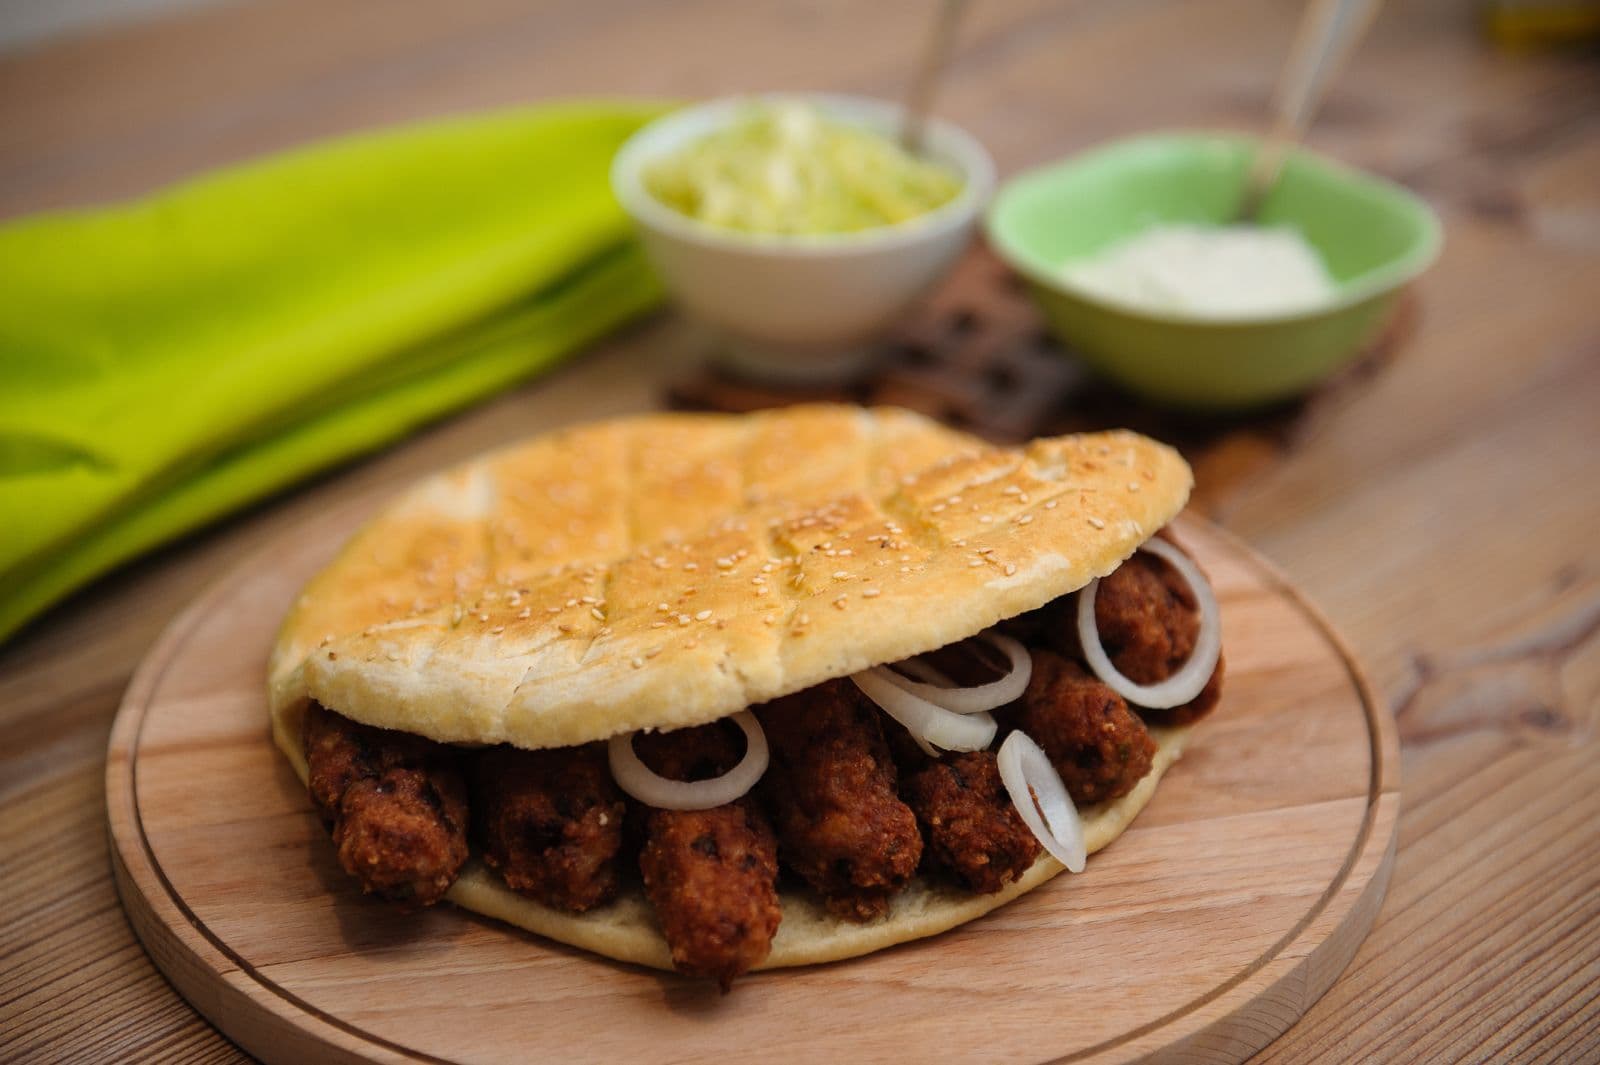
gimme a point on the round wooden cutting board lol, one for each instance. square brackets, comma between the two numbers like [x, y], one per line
[1227, 908]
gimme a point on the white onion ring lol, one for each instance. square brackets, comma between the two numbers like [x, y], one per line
[1191, 677]
[976, 698]
[927, 722]
[652, 789]
[1028, 775]
[923, 672]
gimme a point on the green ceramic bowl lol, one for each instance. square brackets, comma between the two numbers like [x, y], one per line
[1373, 235]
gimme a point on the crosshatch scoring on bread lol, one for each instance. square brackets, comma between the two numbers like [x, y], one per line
[668, 570]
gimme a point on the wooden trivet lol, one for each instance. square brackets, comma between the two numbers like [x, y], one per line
[1229, 906]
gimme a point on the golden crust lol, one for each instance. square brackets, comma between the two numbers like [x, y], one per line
[667, 570]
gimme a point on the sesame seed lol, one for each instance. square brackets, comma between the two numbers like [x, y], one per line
[1024, 519]
[595, 613]
[588, 600]
[839, 602]
[975, 562]
[1097, 523]
[1133, 486]
[664, 607]
[637, 663]
[483, 617]
[524, 612]
[905, 569]
[572, 602]
[936, 508]
[564, 627]
[984, 519]
[763, 590]
[652, 653]
[841, 575]
[1051, 505]
[803, 619]
[690, 566]
[702, 615]
[658, 624]
[724, 563]
[684, 619]
[1012, 490]
[552, 610]
[870, 593]
[690, 645]
[497, 630]
[1011, 568]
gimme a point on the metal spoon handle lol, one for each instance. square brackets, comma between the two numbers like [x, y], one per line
[1327, 35]
[930, 65]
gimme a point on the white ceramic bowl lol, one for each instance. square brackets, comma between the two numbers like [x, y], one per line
[800, 307]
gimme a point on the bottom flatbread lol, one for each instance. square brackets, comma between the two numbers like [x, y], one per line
[627, 931]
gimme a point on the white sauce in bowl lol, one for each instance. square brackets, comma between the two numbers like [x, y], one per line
[1211, 271]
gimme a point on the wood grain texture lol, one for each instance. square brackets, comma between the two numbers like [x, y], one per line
[1209, 927]
[1441, 510]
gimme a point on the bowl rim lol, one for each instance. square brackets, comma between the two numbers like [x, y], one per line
[664, 134]
[1375, 282]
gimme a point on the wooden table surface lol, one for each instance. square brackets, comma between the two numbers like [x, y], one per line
[1442, 508]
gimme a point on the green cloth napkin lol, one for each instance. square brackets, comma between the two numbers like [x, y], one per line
[166, 361]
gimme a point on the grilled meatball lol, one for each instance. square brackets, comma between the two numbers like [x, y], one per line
[710, 874]
[1149, 622]
[551, 823]
[396, 804]
[831, 791]
[972, 827]
[1100, 747]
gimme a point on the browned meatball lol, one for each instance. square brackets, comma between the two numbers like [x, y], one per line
[973, 828]
[397, 805]
[710, 874]
[1099, 746]
[831, 791]
[1147, 618]
[1148, 622]
[551, 823]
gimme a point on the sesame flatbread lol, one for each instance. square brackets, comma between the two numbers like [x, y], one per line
[668, 570]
